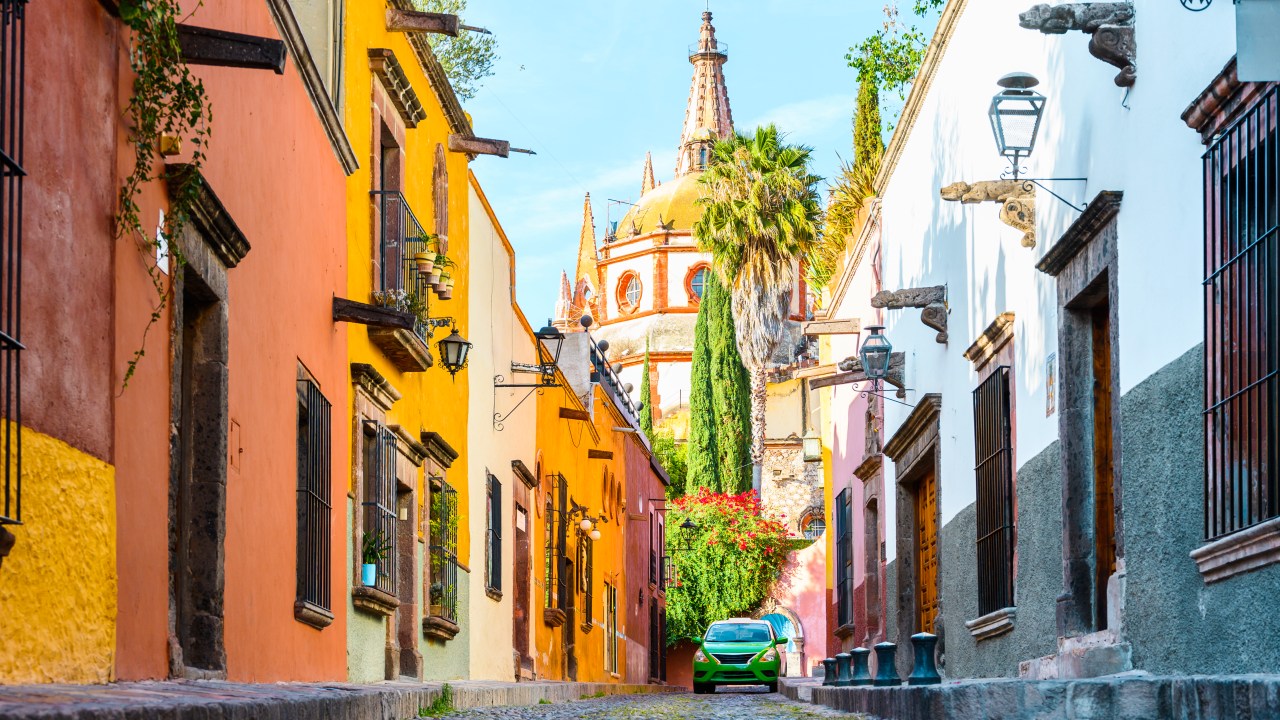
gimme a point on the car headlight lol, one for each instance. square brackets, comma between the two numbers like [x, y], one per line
[770, 655]
[700, 656]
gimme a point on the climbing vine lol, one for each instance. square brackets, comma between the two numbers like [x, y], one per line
[726, 565]
[168, 105]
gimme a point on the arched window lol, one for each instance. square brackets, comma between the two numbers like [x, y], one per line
[702, 157]
[695, 283]
[629, 292]
[812, 526]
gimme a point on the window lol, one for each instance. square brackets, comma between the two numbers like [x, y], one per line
[586, 561]
[321, 25]
[655, 643]
[314, 509]
[12, 37]
[844, 560]
[380, 500]
[629, 292]
[994, 470]
[444, 550]
[555, 542]
[813, 526]
[1242, 321]
[611, 627]
[493, 539]
[697, 283]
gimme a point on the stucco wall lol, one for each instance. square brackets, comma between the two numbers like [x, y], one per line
[58, 598]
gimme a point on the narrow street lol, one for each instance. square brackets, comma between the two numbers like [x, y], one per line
[725, 704]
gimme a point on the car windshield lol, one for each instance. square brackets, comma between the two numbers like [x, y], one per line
[739, 632]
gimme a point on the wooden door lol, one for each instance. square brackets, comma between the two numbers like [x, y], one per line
[520, 567]
[1104, 511]
[927, 551]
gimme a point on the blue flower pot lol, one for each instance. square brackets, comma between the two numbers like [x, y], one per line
[369, 574]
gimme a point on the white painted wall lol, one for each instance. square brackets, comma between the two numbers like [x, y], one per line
[500, 339]
[1136, 144]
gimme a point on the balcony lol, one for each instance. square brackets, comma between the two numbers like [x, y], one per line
[399, 285]
[602, 372]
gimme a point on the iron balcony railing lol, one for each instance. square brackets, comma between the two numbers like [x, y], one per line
[602, 372]
[12, 69]
[398, 282]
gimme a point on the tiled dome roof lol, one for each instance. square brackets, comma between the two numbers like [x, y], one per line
[672, 203]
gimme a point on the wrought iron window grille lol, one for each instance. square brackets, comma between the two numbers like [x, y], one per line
[379, 503]
[844, 559]
[12, 173]
[993, 450]
[314, 503]
[443, 588]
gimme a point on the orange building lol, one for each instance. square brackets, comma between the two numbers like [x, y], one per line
[594, 515]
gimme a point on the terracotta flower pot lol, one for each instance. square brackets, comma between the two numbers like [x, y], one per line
[426, 262]
[433, 276]
[446, 294]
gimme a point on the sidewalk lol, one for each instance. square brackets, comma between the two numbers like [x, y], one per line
[217, 700]
[1134, 695]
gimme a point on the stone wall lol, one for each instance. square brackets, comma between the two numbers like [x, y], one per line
[789, 485]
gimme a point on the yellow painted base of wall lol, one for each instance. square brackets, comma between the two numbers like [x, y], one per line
[58, 584]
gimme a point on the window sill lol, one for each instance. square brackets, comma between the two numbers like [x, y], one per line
[553, 617]
[495, 595]
[439, 628]
[374, 601]
[312, 614]
[406, 351]
[993, 624]
[844, 632]
[1239, 553]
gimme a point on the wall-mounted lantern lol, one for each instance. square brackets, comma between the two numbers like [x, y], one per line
[812, 446]
[453, 352]
[1015, 117]
[875, 353]
[550, 341]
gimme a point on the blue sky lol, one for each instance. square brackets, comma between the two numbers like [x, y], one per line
[592, 86]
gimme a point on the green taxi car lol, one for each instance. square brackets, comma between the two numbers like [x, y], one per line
[738, 652]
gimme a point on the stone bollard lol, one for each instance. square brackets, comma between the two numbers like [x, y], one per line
[886, 671]
[842, 669]
[861, 674]
[925, 671]
[829, 672]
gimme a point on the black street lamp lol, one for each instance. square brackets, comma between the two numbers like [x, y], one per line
[1015, 116]
[875, 353]
[550, 341]
[453, 352]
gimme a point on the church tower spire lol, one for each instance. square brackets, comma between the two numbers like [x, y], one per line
[708, 117]
[588, 268]
[647, 183]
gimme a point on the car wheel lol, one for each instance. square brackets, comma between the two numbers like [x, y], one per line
[773, 686]
[699, 688]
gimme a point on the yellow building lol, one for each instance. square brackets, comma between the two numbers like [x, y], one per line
[410, 493]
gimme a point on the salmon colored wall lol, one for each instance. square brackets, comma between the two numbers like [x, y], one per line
[801, 590]
[281, 183]
[642, 487]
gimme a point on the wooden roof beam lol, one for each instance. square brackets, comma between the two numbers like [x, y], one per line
[428, 22]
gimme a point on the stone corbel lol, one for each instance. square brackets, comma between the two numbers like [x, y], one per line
[1017, 200]
[931, 300]
[1109, 24]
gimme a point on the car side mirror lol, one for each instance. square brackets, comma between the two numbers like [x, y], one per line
[780, 641]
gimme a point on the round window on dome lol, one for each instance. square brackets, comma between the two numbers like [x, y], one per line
[698, 283]
[629, 292]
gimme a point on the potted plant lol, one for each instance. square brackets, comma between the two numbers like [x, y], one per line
[445, 277]
[415, 305]
[426, 257]
[373, 550]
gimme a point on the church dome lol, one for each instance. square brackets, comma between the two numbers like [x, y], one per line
[673, 203]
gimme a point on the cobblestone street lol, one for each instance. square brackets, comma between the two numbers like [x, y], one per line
[726, 704]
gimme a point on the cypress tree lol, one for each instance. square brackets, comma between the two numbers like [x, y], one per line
[702, 459]
[730, 391]
[868, 145]
[646, 412]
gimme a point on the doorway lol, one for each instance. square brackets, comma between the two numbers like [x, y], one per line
[197, 479]
[926, 506]
[1104, 512]
[520, 600]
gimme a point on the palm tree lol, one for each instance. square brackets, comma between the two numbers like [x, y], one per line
[761, 215]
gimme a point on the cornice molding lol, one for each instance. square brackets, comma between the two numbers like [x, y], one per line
[383, 63]
[210, 218]
[995, 337]
[378, 389]
[287, 24]
[408, 445]
[1100, 211]
[927, 412]
[437, 449]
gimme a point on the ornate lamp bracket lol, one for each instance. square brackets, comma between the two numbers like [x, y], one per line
[1017, 200]
[1109, 24]
[931, 300]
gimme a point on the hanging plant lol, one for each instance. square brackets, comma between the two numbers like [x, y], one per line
[167, 102]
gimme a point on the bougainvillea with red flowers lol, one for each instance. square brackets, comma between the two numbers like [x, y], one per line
[725, 566]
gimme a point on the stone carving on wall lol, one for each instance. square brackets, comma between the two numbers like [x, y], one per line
[1109, 25]
[931, 300]
[1017, 200]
